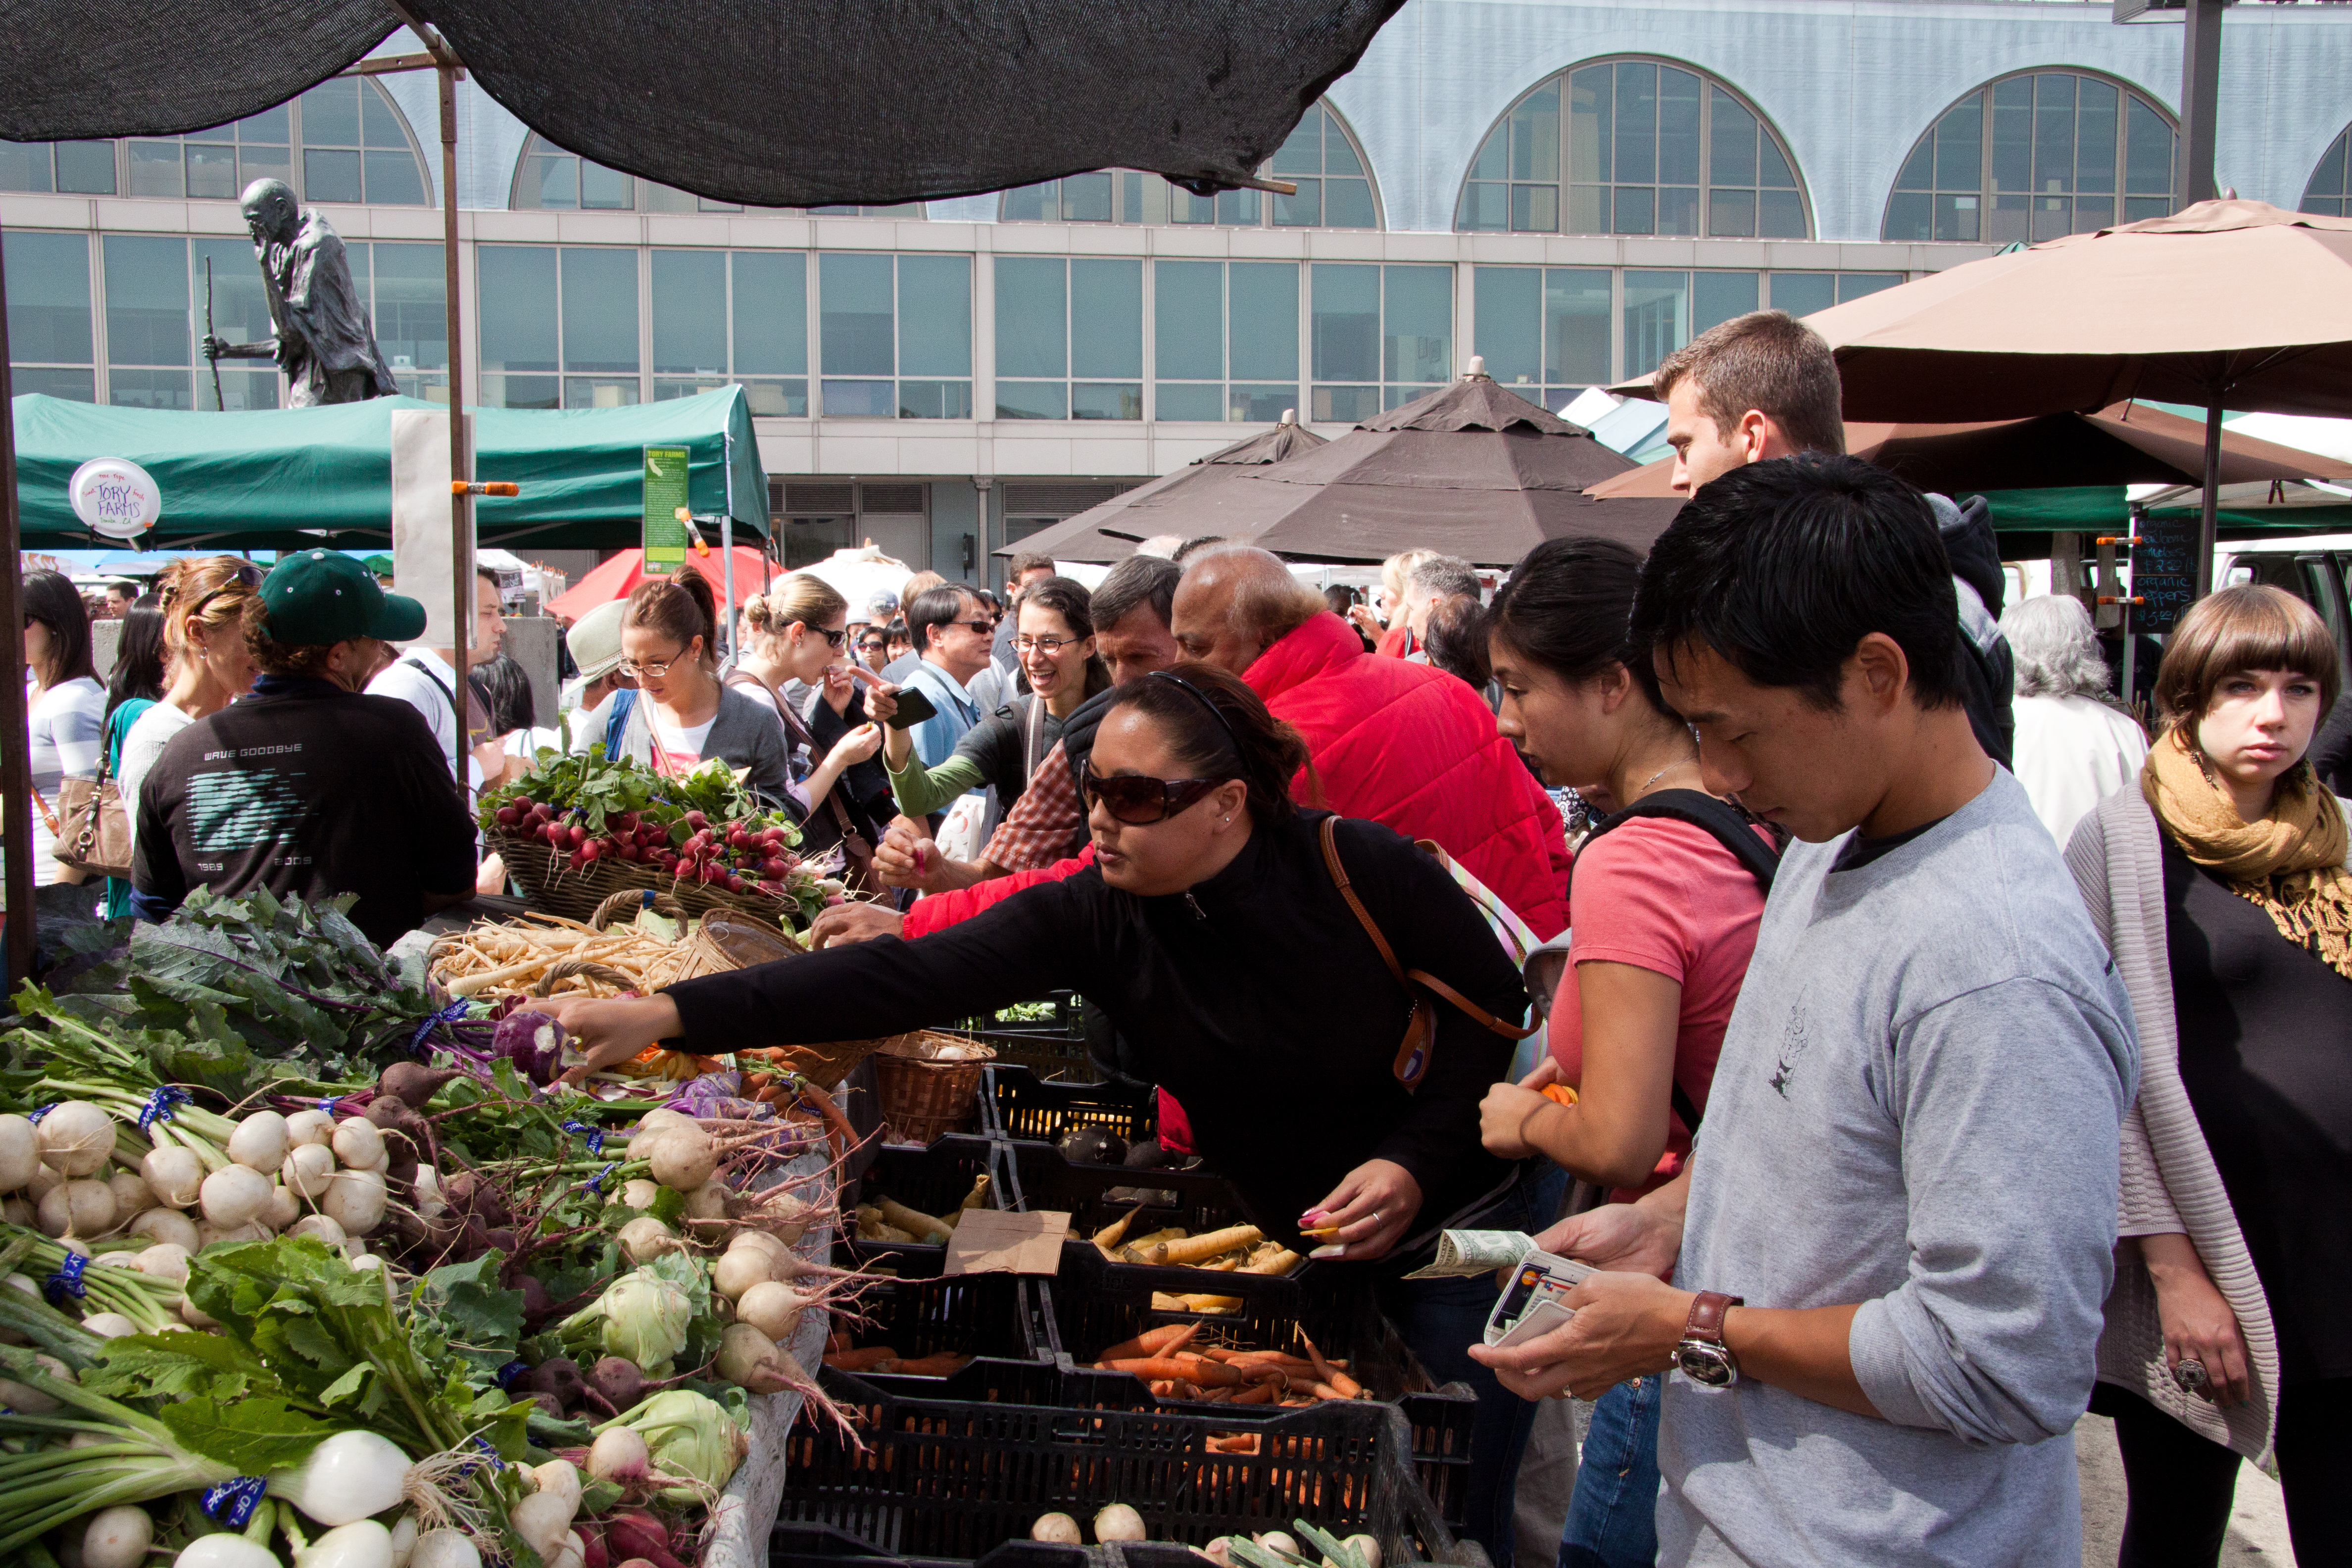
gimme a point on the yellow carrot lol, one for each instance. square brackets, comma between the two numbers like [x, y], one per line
[1197, 1248]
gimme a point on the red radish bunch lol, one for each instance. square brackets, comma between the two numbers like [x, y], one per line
[741, 857]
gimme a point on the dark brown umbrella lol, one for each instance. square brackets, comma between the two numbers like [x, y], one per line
[1111, 531]
[1471, 469]
[2128, 444]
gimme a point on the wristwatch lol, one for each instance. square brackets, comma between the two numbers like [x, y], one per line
[1703, 1356]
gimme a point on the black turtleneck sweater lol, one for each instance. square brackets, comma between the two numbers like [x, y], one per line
[1256, 998]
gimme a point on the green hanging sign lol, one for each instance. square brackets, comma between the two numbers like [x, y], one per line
[665, 535]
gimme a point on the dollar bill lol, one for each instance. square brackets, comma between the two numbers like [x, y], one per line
[1462, 1253]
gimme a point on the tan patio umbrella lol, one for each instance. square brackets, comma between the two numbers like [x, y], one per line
[2230, 304]
[1470, 469]
[1111, 531]
[2128, 444]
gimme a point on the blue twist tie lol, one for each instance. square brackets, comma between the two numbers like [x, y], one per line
[159, 1105]
[596, 1184]
[512, 1370]
[231, 1502]
[595, 1135]
[468, 1467]
[38, 1111]
[329, 1104]
[66, 1281]
[449, 1015]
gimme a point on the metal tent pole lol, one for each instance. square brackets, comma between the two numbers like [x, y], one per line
[15, 762]
[2208, 526]
[461, 531]
[2201, 81]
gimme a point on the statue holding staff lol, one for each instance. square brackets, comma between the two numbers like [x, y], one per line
[323, 339]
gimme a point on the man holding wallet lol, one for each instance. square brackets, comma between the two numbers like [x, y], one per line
[1891, 1249]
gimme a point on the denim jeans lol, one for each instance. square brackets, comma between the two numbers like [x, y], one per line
[1440, 1320]
[1613, 1520]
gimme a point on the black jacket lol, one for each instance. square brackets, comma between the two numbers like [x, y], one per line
[1256, 998]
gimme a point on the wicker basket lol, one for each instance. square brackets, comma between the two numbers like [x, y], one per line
[923, 1096]
[551, 886]
[722, 940]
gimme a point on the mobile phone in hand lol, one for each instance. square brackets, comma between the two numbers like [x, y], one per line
[913, 709]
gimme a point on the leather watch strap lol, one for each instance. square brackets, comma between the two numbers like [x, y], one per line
[1706, 1313]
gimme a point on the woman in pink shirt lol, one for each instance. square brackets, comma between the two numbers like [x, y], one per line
[1664, 901]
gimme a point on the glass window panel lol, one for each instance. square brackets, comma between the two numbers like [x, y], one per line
[690, 311]
[2094, 213]
[394, 179]
[148, 389]
[935, 400]
[212, 171]
[853, 301]
[1576, 324]
[1730, 212]
[1803, 293]
[1535, 209]
[330, 175]
[1909, 216]
[1260, 405]
[935, 318]
[552, 180]
[380, 121]
[1345, 323]
[1731, 141]
[1105, 400]
[157, 170]
[74, 386]
[1264, 327]
[1960, 146]
[1347, 203]
[2052, 216]
[1534, 135]
[1636, 210]
[1636, 146]
[777, 399]
[263, 164]
[1483, 206]
[273, 124]
[605, 189]
[86, 168]
[243, 389]
[600, 309]
[1677, 209]
[411, 318]
[1678, 136]
[1398, 396]
[522, 391]
[2148, 157]
[215, 133]
[1717, 297]
[1085, 199]
[2007, 220]
[1774, 169]
[519, 322]
[1238, 209]
[1106, 322]
[1303, 210]
[666, 388]
[859, 399]
[1588, 209]
[147, 300]
[1033, 204]
[1032, 320]
[2054, 132]
[770, 313]
[1301, 151]
[1194, 400]
[2013, 134]
[1779, 215]
[2139, 208]
[1493, 160]
[1032, 399]
[331, 114]
[599, 392]
[1855, 285]
[1339, 155]
[1344, 404]
[2328, 179]
[2095, 142]
[1658, 318]
[1417, 324]
[1188, 316]
[1590, 117]
[1956, 217]
[1508, 322]
[48, 296]
[1183, 207]
[240, 303]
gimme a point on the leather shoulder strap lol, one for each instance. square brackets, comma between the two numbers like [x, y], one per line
[1408, 978]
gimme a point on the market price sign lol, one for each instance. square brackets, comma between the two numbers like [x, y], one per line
[2163, 569]
[665, 535]
[115, 497]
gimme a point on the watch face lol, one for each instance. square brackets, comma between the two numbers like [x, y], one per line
[1710, 1366]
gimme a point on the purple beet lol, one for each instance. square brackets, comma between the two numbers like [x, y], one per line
[411, 1083]
[619, 1382]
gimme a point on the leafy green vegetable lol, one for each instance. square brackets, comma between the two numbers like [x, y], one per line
[251, 1436]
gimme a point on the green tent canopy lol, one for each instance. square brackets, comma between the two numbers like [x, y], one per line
[285, 478]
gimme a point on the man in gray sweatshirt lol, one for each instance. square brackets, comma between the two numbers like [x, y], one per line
[1891, 1248]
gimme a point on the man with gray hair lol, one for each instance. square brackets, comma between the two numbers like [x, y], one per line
[2073, 749]
[1432, 582]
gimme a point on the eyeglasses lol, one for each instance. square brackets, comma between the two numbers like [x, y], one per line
[1138, 801]
[657, 668]
[833, 637]
[872, 644]
[985, 628]
[1049, 647]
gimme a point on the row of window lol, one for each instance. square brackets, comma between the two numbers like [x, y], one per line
[870, 335]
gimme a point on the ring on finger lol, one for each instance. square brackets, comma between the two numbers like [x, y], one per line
[2189, 1373]
[1376, 1217]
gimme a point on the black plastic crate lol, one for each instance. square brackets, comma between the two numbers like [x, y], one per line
[1038, 1176]
[1064, 1059]
[1065, 1020]
[1018, 1102]
[955, 1479]
[934, 1180]
[919, 1310]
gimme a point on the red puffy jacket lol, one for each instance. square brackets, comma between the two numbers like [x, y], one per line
[1398, 743]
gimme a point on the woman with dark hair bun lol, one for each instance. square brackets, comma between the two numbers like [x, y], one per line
[1214, 929]
[680, 716]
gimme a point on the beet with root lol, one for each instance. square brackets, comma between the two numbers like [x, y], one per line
[412, 1083]
[619, 1381]
[476, 1198]
[641, 1535]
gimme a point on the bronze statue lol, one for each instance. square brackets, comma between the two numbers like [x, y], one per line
[324, 342]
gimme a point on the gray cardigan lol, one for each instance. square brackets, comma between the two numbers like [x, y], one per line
[2169, 1181]
[745, 731]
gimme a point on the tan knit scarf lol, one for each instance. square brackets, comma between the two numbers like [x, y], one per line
[2291, 862]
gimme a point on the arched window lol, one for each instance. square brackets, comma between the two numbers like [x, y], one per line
[1320, 156]
[2034, 156]
[1643, 147]
[547, 176]
[343, 141]
[2330, 191]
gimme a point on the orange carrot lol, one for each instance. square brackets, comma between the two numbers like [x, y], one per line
[867, 1360]
[1150, 1342]
[939, 1365]
[1192, 1369]
[1162, 1389]
[1347, 1388]
[1262, 1394]
[1233, 1443]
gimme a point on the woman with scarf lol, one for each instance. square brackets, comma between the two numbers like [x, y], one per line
[2220, 882]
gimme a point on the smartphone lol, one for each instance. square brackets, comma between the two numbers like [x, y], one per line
[913, 709]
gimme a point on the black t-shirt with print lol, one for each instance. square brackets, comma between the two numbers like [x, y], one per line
[308, 789]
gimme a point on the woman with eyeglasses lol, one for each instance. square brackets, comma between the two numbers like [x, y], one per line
[680, 716]
[1057, 648]
[203, 602]
[798, 634]
[1214, 933]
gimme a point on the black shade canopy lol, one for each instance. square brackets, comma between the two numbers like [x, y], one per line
[810, 103]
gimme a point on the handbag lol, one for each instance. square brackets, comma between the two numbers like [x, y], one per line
[1411, 1063]
[93, 831]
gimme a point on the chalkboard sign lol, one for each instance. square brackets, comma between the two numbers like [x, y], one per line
[2163, 569]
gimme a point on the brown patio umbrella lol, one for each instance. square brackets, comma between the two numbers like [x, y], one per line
[1111, 531]
[2129, 444]
[2230, 304]
[1470, 469]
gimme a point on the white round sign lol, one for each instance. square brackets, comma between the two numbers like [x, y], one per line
[115, 497]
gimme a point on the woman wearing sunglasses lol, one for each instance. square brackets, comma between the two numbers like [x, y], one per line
[800, 635]
[203, 602]
[1213, 933]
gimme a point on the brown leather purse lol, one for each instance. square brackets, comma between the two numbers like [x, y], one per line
[93, 827]
[1414, 1051]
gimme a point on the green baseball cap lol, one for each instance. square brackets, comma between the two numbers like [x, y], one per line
[320, 596]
